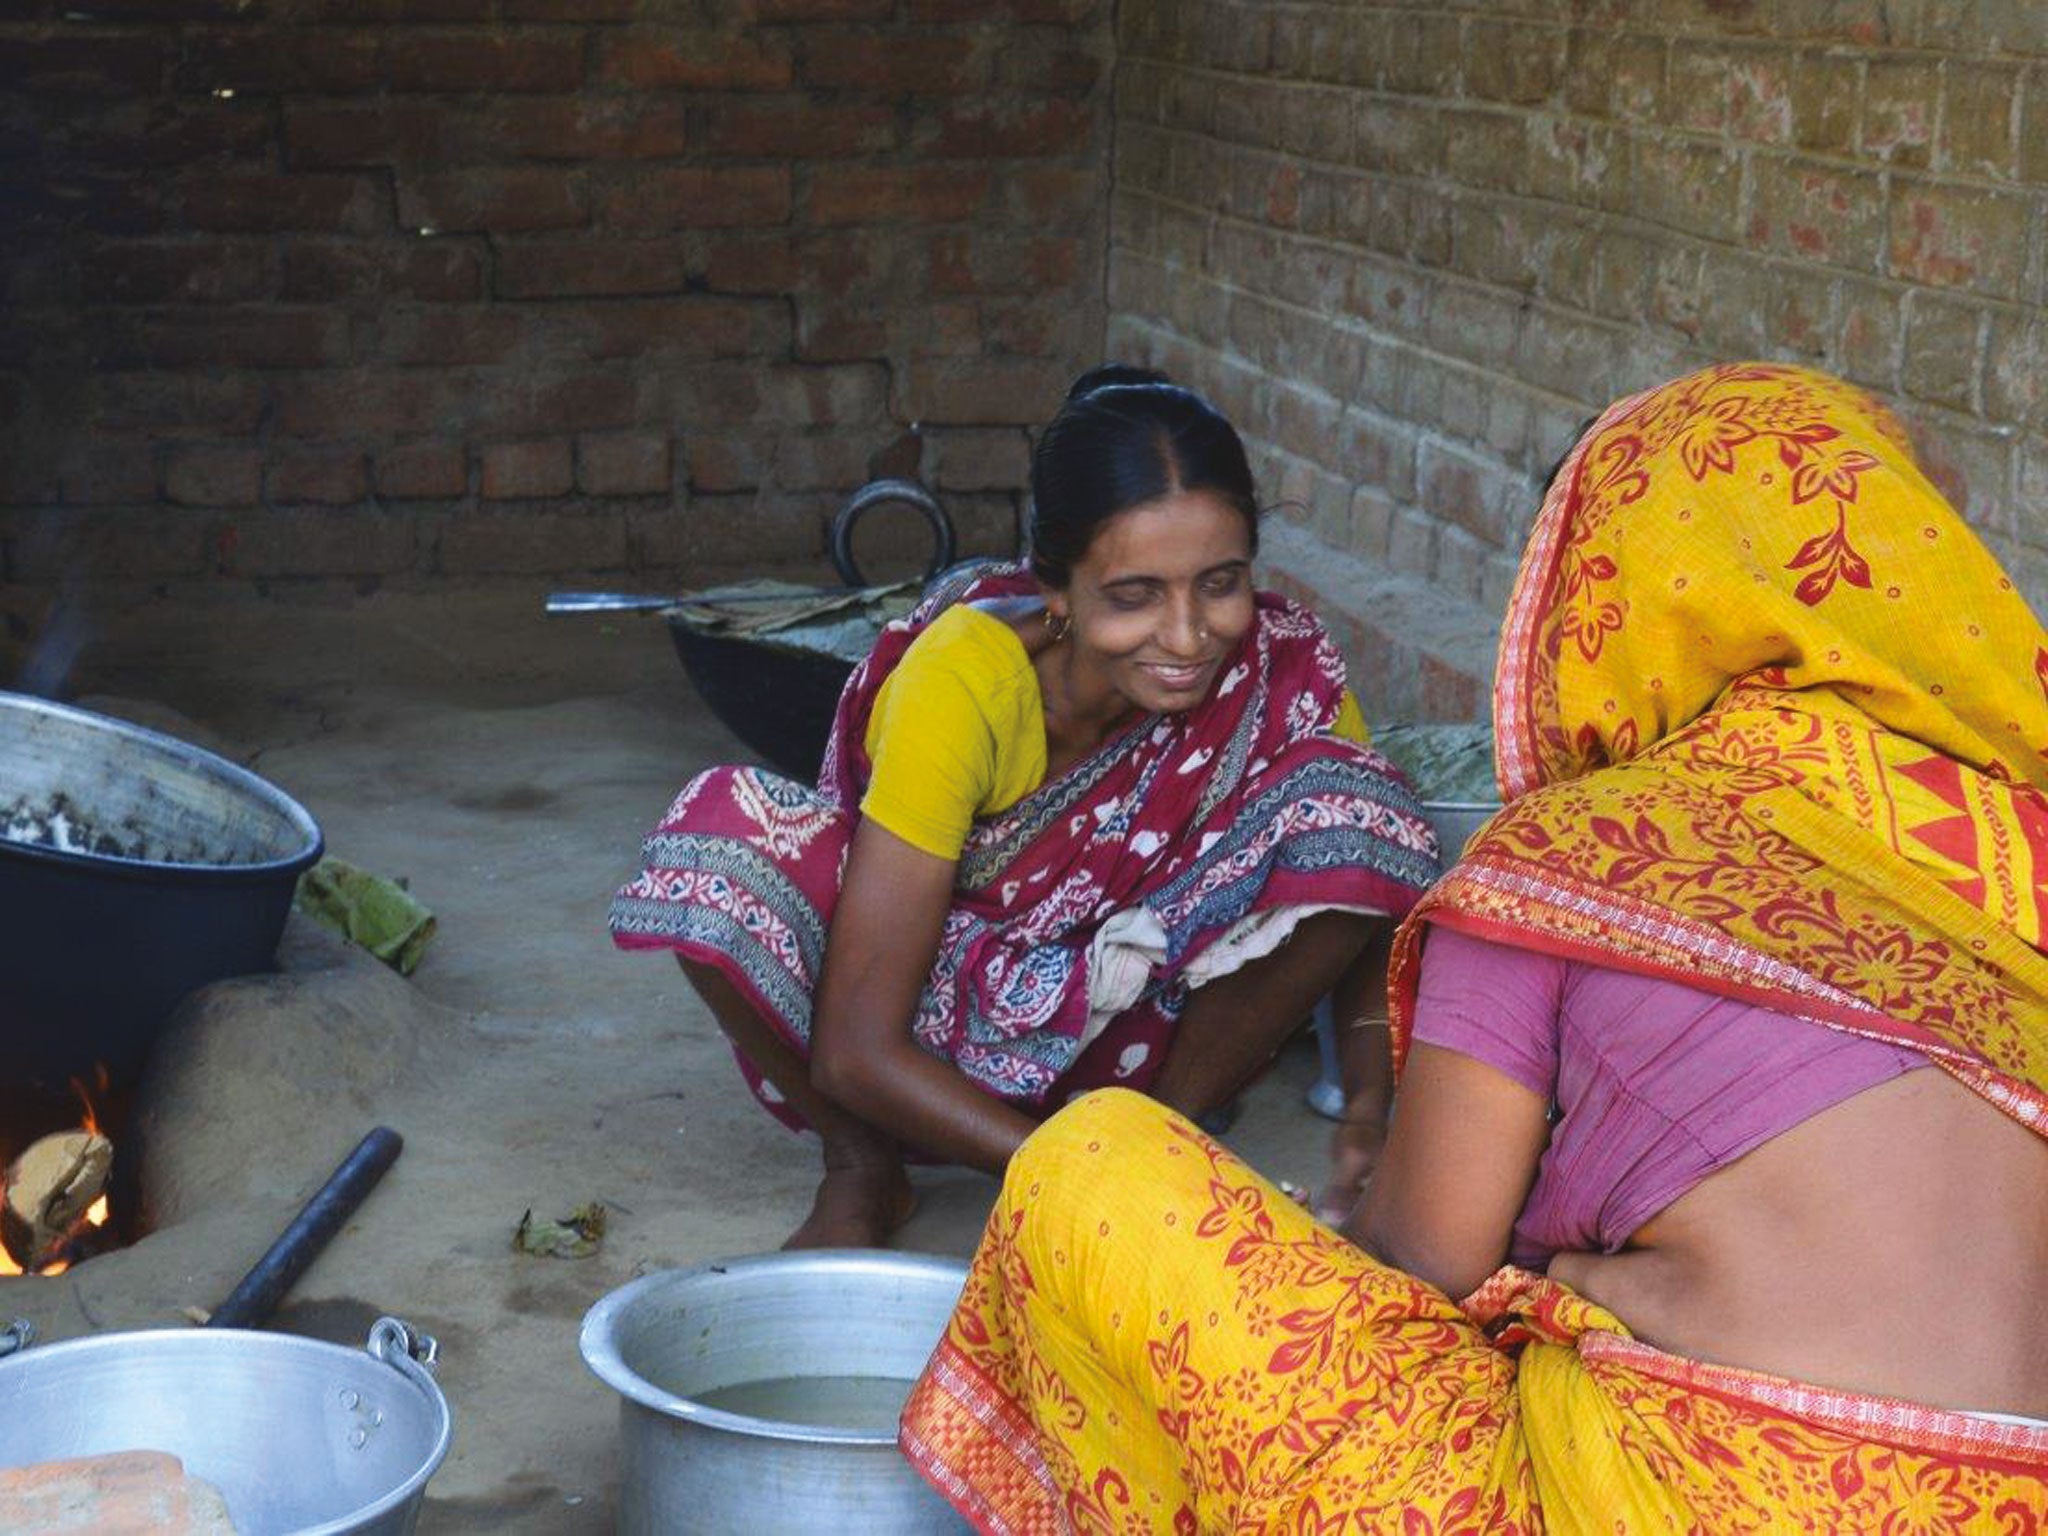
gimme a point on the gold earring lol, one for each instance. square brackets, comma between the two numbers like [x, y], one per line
[1057, 625]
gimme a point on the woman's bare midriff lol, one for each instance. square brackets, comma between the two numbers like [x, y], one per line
[1893, 1244]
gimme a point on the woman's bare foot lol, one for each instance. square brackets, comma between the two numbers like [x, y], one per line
[858, 1205]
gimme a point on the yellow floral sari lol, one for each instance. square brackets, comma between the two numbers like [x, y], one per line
[1770, 721]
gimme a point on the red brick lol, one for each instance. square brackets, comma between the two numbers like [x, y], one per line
[387, 133]
[409, 11]
[447, 336]
[750, 264]
[407, 268]
[576, 129]
[698, 198]
[144, 542]
[1817, 212]
[624, 464]
[195, 271]
[422, 472]
[824, 10]
[163, 405]
[514, 402]
[1900, 96]
[725, 461]
[369, 401]
[887, 194]
[515, 471]
[991, 392]
[477, 60]
[1959, 237]
[122, 1491]
[331, 475]
[541, 269]
[531, 541]
[700, 326]
[240, 337]
[112, 473]
[160, 135]
[890, 64]
[1977, 119]
[662, 58]
[799, 130]
[809, 461]
[101, 63]
[495, 201]
[258, 203]
[1047, 61]
[319, 541]
[568, 10]
[1042, 195]
[212, 477]
[1048, 12]
[977, 459]
[827, 334]
[1031, 129]
[279, 64]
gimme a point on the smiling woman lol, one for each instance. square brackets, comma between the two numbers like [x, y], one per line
[1106, 819]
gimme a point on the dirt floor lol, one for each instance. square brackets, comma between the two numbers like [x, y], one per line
[506, 764]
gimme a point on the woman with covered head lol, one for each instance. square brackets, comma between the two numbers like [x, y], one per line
[1716, 1197]
[1108, 819]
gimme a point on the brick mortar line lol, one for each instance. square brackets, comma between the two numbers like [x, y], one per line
[1689, 137]
[1626, 224]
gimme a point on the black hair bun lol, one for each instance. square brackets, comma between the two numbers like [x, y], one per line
[1114, 376]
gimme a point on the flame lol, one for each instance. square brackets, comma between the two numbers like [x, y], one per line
[96, 1213]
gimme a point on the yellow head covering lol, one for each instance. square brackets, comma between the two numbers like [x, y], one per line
[1772, 721]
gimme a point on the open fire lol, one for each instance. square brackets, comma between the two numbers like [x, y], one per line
[53, 1200]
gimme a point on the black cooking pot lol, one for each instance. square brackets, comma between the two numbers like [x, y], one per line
[134, 867]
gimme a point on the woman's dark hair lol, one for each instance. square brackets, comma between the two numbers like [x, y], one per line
[1126, 436]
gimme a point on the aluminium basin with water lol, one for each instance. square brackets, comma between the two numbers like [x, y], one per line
[761, 1394]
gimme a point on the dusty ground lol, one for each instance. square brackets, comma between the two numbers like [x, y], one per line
[506, 763]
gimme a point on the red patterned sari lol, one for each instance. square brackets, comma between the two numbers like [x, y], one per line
[1770, 721]
[1242, 811]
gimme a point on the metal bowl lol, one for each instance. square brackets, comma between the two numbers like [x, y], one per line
[674, 1343]
[134, 867]
[297, 1435]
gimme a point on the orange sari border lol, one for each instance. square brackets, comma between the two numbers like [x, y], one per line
[958, 1425]
[1948, 1433]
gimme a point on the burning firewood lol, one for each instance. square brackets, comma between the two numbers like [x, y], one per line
[49, 1190]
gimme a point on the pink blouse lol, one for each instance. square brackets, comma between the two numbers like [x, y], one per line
[1653, 1085]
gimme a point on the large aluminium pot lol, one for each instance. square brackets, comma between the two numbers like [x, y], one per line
[297, 1435]
[846, 1318]
[134, 867]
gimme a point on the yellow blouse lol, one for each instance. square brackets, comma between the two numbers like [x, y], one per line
[958, 731]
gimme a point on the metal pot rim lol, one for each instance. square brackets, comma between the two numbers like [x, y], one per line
[598, 1339]
[202, 1340]
[250, 783]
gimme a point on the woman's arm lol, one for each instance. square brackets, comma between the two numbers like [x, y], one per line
[878, 954]
[1459, 1160]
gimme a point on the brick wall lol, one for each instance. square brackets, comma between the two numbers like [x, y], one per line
[1411, 248]
[428, 288]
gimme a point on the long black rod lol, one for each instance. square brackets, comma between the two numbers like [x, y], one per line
[299, 1245]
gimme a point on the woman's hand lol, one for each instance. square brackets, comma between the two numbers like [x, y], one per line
[879, 951]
